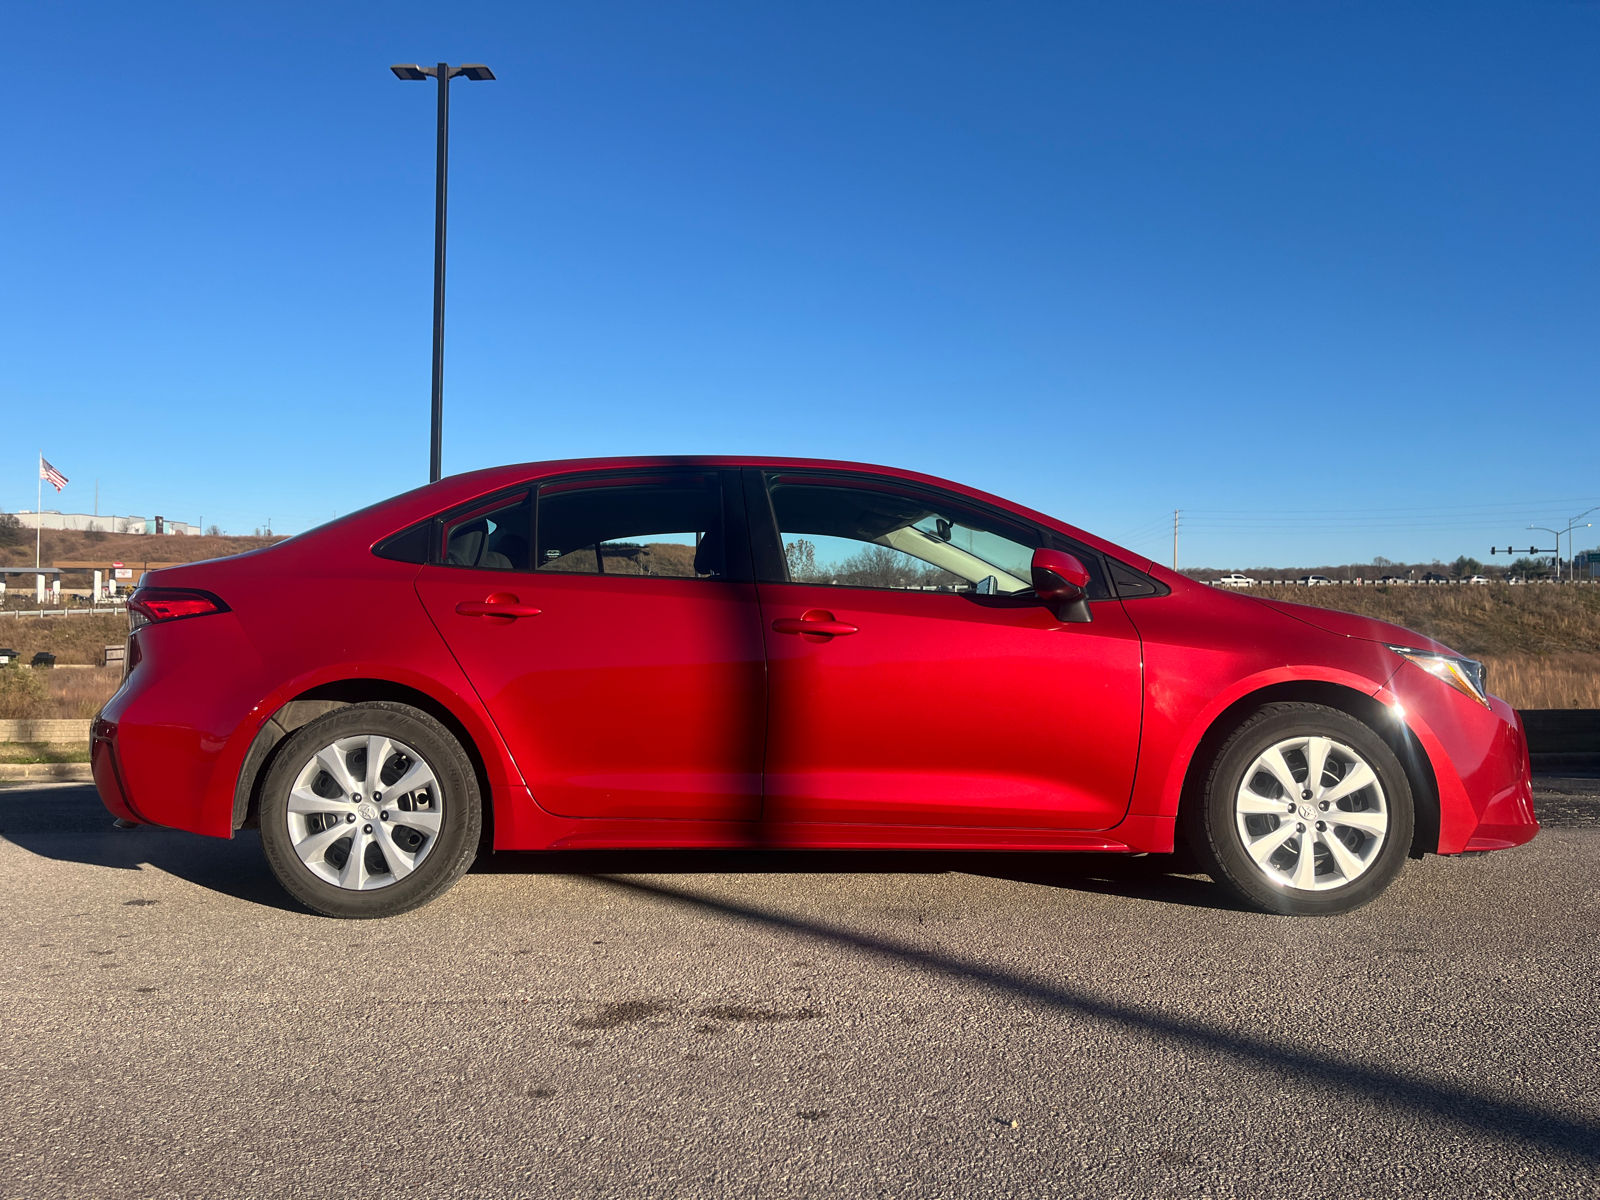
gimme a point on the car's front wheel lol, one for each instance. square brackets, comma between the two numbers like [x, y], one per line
[1306, 811]
[370, 811]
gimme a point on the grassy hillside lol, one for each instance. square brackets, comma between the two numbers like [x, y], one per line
[71, 639]
[1541, 643]
[134, 549]
[1496, 620]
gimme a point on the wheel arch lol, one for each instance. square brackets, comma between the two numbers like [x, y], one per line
[325, 698]
[1364, 708]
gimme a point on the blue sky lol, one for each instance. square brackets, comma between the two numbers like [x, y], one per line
[1321, 276]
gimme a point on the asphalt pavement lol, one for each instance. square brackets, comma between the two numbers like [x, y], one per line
[707, 1025]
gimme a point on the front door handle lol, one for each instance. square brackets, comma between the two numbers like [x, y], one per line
[501, 604]
[817, 621]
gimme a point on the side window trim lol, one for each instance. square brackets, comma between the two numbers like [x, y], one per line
[435, 526]
[736, 542]
[1130, 583]
[484, 505]
[766, 541]
[735, 529]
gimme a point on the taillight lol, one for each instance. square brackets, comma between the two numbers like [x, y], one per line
[147, 606]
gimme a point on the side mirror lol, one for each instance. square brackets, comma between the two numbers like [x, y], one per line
[1062, 582]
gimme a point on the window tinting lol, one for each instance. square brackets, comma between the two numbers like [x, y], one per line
[492, 540]
[1131, 583]
[866, 536]
[409, 545]
[663, 526]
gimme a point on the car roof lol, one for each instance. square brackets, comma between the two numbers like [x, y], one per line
[399, 511]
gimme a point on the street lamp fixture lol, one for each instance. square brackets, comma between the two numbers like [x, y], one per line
[444, 73]
[1572, 525]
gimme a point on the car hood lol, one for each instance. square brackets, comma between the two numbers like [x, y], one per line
[1355, 626]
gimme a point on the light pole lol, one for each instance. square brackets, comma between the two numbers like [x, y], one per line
[1571, 547]
[444, 73]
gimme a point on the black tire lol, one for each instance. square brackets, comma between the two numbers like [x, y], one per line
[452, 847]
[1212, 823]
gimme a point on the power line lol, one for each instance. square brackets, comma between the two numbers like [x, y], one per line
[1520, 504]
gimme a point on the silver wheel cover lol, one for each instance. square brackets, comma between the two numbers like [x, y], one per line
[364, 812]
[1311, 814]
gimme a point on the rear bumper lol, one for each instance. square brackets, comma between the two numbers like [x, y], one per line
[108, 772]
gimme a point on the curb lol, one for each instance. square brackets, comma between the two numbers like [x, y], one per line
[72, 772]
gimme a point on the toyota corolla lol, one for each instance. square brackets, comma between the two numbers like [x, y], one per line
[781, 653]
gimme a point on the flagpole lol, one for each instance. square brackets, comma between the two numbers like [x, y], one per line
[38, 520]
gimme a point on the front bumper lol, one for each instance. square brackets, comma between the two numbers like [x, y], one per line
[1479, 759]
[1507, 819]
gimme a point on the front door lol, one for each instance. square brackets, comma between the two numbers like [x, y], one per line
[933, 690]
[628, 678]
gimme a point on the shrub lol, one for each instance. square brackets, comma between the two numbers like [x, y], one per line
[24, 694]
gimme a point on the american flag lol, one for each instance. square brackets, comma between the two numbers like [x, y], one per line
[50, 475]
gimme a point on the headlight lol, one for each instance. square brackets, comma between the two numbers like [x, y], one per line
[1466, 675]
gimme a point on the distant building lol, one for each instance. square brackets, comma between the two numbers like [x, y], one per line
[50, 519]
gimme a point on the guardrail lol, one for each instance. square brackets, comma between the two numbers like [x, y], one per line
[105, 610]
[1363, 582]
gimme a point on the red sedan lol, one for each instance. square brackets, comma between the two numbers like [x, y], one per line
[781, 653]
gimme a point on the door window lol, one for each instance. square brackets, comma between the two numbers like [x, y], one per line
[665, 526]
[493, 538]
[858, 534]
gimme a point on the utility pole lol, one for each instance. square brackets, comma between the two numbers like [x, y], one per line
[1174, 539]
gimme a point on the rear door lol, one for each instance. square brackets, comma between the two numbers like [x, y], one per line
[936, 691]
[627, 674]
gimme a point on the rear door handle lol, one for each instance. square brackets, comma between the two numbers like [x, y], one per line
[494, 606]
[814, 622]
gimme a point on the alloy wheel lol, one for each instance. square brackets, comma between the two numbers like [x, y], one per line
[364, 812]
[1311, 814]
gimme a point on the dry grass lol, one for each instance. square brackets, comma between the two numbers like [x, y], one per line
[130, 548]
[74, 639]
[1495, 620]
[78, 695]
[72, 695]
[1542, 643]
[1522, 680]
[1545, 681]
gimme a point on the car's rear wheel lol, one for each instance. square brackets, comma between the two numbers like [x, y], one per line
[1306, 811]
[370, 811]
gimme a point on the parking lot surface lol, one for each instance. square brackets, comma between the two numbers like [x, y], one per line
[721, 1024]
